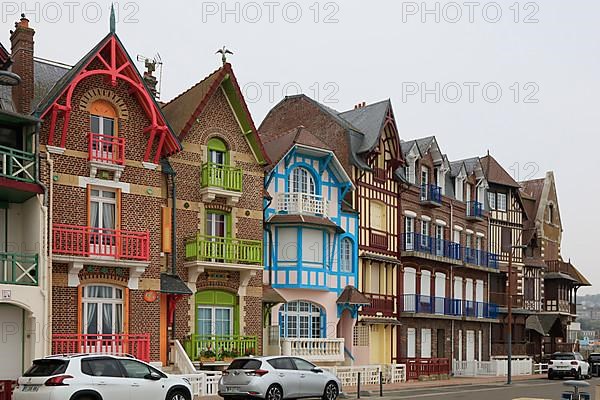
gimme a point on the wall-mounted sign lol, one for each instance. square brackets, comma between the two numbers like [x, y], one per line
[150, 296]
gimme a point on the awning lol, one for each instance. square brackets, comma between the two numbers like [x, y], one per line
[380, 258]
[271, 296]
[172, 284]
[379, 321]
[352, 296]
[542, 323]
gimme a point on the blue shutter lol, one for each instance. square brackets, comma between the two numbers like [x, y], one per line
[281, 324]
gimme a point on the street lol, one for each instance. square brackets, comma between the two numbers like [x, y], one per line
[532, 389]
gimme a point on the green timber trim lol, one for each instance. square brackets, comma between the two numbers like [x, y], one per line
[19, 269]
[223, 249]
[221, 176]
[246, 124]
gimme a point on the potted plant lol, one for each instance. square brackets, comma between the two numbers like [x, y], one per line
[249, 352]
[229, 355]
[207, 355]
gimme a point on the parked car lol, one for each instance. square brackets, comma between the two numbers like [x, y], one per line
[594, 361]
[277, 378]
[89, 377]
[568, 364]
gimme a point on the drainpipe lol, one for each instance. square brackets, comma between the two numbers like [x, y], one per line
[49, 204]
[270, 241]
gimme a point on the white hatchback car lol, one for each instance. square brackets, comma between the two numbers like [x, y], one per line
[98, 377]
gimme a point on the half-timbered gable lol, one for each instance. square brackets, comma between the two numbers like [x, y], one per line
[102, 137]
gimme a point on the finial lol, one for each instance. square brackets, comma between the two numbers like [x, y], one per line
[113, 19]
[224, 51]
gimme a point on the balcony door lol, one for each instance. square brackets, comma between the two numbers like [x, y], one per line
[216, 318]
[103, 222]
[218, 229]
[439, 240]
[218, 157]
[102, 314]
[409, 233]
[103, 127]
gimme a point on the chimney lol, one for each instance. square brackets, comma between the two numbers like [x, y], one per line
[21, 40]
[360, 105]
[149, 77]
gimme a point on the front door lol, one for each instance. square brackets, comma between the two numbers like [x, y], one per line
[441, 343]
[470, 345]
[11, 346]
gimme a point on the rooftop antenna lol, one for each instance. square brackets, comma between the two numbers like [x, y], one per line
[152, 65]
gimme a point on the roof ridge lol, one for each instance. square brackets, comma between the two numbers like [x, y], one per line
[193, 86]
[365, 106]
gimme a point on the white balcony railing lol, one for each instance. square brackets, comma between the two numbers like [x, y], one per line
[302, 203]
[314, 349]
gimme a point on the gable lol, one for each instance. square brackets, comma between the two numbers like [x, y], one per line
[109, 60]
[187, 108]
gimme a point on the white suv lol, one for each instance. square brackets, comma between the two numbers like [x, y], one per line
[98, 377]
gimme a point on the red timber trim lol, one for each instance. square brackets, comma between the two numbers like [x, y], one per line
[21, 186]
[117, 66]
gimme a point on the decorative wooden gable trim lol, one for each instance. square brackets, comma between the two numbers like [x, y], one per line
[228, 83]
[116, 65]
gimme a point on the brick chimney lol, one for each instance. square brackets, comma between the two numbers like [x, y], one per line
[21, 40]
[149, 77]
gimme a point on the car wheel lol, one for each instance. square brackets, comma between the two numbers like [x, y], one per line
[274, 392]
[578, 375]
[177, 395]
[551, 377]
[331, 391]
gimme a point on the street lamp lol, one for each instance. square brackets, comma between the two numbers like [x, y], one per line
[510, 303]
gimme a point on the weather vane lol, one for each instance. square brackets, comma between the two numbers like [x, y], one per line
[224, 51]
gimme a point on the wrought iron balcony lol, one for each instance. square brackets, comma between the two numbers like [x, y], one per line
[417, 303]
[223, 249]
[17, 164]
[474, 211]
[86, 241]
[19, 269]
[431, 195]
[480, 258]
[222, 176]
[415, 242]
[302, 203]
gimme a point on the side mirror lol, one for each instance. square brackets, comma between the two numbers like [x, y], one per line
[317, 370]
[152, 376]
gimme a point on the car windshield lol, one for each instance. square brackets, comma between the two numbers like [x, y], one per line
[563, 356]
[47, 368]
[245, 363]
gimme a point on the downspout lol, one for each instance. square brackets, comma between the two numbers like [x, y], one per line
[452, 278]
[49, 201]
[269, 239]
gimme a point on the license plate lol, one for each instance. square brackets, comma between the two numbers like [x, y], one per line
[30, 388]
[233, 388]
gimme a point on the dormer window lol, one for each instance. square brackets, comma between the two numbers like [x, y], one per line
[217, 152]
[459, 188]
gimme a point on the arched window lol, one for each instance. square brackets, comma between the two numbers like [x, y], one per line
[346, 259]
[103, 128]
[216, 313]
[302, 181]
[551, 213]
[302, 319]
[102, 309]
[217, 152]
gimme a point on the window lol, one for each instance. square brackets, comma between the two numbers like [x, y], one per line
[47, 367]
[425, 343]
[425, 234]
[245, 363]
[135, 369]
[409, 230]
[103, 220]
[282, 363]
[469, 192]
[302, 181]
[217, 152]
[303, 365]
[459, 188]
[302, 319]
[102, 310]
[217, 224]
[346, 258]
[551, 213]
[214, 320]
[424, 176]
[501, 201]
[378, 217]
[103, 127]
[492, 200]
[105, 367]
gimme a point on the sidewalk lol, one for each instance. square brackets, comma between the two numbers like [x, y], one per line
[393, 387]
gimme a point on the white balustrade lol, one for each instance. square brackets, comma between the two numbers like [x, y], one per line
[181, 360]
[204, 383]
[496, 367]
[302, 203]
[314, 349]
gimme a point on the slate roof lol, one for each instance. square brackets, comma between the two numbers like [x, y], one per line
[4, 57]
[369, 120]
[350, 295]
[541, 323]
[173, 284]
[496, 174]
[179, 110]
[279, 145]
[46, 74]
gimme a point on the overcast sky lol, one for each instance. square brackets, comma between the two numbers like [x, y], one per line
[443, 69]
